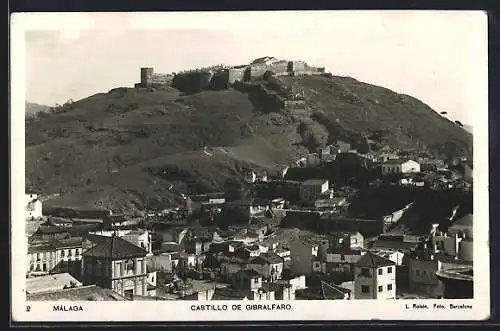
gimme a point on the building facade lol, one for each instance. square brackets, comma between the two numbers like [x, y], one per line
[303, 252]
[116, 264]
[400, 167]
[374, 278]
[33, 209]
[41, 259]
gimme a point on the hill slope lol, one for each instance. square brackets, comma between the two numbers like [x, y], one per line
[123, 148]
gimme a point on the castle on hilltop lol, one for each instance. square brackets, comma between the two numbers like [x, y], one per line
[222, 77]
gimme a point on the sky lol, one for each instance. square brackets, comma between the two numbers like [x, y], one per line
[437, 57]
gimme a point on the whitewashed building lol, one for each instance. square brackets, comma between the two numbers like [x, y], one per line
[400, 167]
[374, 277]
[33, 206]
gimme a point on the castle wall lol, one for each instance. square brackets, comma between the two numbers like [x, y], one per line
[193, 81]
[220, 80]
[160, 79]
[296, 66]
[235, 75]
[255, 71]
[278, 68]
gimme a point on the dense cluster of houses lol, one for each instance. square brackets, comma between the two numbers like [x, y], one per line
[246, 261]
[161, 256]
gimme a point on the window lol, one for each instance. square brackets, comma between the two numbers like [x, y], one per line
[417, 272]
[365, 272]
[342, 257]
[77, 251]
[380, 288]
[69, 252]
[389, 287]
[389, 270]
[38, 256]
[62, 253]
[118, 269]
[424, 272]
[130, 265]
[365, 289]
[255, 280]
[381, 271]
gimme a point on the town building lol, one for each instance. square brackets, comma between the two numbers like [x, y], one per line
[249, 207]
[247, 280]
[374, 277]
[303, 252]
[42, 258]
[330, 203]
[312, 189]
[69, 255]
[33, 206]
[346, 240]
[116, 264]
[422, 267]
[282, 291]
[400, 166]
[342, 259]
[344, 251]
[269, 265]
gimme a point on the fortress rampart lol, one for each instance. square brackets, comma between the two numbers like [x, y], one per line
[221, 77]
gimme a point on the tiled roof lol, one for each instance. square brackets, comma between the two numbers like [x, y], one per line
[372, 260]
[391, 244]
[264, 258]
[115, 248]
[96, 239]
[250, 272]
[82, 293]
[41, 247]
[68, 243]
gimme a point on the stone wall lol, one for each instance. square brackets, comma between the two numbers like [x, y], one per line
[220, 80]
[255, 71]
[236, 74]
[161, 79]
[193, 82]
[278, 68]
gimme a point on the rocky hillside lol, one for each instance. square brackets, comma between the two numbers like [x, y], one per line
[124, 148]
